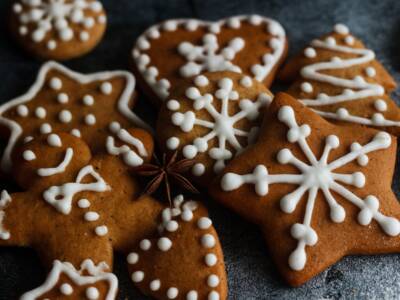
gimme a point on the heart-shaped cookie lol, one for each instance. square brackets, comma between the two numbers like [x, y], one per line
[253, 45]
[185, 261]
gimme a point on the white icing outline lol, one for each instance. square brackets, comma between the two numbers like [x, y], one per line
[61, 166]
[96, 274]
[316, 175]
[15, 128]
[5, 200]
[161, 86]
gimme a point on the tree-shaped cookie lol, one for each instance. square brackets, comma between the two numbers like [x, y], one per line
[57, 29]
[63, 100]
[317, 190]
[211, 118]
[185, 261]
[74, 206]
[252, 45]
[340, 79]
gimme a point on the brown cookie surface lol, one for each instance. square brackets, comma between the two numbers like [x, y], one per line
[252, 45]
[211, 118]
[340, 79]
[317, 190]
[57, 29]
[185, 261]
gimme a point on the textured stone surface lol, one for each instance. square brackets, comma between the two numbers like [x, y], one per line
[251, 273]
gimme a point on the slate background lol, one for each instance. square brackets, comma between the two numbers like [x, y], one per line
[252, 274]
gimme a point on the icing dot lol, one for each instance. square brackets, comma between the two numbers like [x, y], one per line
[28, 155]
[306, 87]
[88, 100]
[201, 81]
[246, 81]
[370, 71]
[56, 83]
[137, 276]
[155, 285]
[23, 30]
[106, 88]
[173, 143]
[83, 203]
[101, 230]
[88, 22]
[210, 259]
[310, 52]
[65, 116]
[208, 241]
[22, 110]
[212, 280]
[341, 29]
[255, 20]
[204, 223]
[380, 105]
[92, 293]
[170, 25]
[54, 140]
[173, 104]
[90, 119]
[330, 41]
[233, 23]
[51, 45]
[62, 98]
[213, 295]
[187, 215]
[17, 8]
[91, 216]
[145, 244]
[198, 169]
[192, 295]
[349, 40]
[192, 25]
[66, 289]
[102, 19]
[76, 132]
[164, 244]
[40, 112]
[45, 128]
[84, 36]
[27, 139]
[132, 258]
[172, 293]
[171, 226]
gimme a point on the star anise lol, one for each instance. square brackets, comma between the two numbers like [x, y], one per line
[166, 171]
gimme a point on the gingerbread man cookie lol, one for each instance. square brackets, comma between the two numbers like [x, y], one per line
[74, 206]
[88, 106]
[57, 29]
[252, 45]
[339, 78]
[187, 255]
[317, 190]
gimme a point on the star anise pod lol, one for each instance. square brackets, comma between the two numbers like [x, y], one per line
[166, 171]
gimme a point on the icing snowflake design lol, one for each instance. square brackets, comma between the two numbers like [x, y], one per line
[58, 15]
[317, 175]
[222, 127]
[205, 58]
[353, 89]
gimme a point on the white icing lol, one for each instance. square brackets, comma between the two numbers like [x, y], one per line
[204, 223]
[90, 119]
[310, 52]
[40, 112]
[54, 140]
[380, 105]
[65, 116]
[16, 129]
[212, 280]
[137, 276]
[27, 139]
[145, 244]
[91, 216]
[213, 295]
[83, 203]
[173, 143]
[223, 127]
[132, 258]
[61, 196]
[210, 259]
[88, 274]
[246, 81]
[317, 175]
[192, 295]
[172, 293]
[88, 100]
[341, 29]
[208, 241]
[60, 168]
[28, 155]
[22, 110]
[5, 200]
[164, 244]
[106, 88]
[101, 230]
[76, 132]
[62, 98]
[207, 56]
[155, 285]
[55, 83]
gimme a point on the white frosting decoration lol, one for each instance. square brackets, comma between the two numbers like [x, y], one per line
[223, 127]
[29, 155]
[310, 52]
[54, 140]
[65, 116]
[88, 100]
[155, 285]
[91, 216]
[172, 293]
[90, 119]
[76, 132]
[88, 274]
[62, 98]
[106, 88]
[83, 203]
[5, 200]
[60, 168]
[61, 196]
[101, 230]
[58, 16]
[19, 103]
[208, 56]
[353, 89]
[131, 157]
[317, 175]
[40, 112]
[27, 139]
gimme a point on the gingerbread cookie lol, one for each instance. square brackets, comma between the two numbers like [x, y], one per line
[57, 29]
[317, 190]
[253, 45]
[187, 255]
[74, 206]
[211, 118]
[340, 79]
[87, 106]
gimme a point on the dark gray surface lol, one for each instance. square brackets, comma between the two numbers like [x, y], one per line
[251, 273]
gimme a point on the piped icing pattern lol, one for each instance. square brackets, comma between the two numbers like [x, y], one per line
[360, 87]
[221, 126]
[22, 108]
[58, 21]
[5, 200]
[317, 176]
[181, 213]
[86, 278]
[209, 55]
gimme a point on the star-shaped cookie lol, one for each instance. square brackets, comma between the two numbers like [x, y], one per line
[317, 190]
